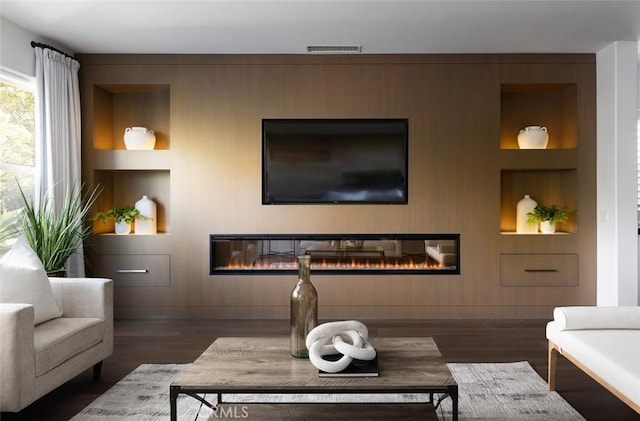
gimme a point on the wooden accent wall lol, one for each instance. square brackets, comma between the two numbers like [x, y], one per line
[465, 175]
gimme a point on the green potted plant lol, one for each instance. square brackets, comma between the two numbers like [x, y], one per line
[123, 216]
[548, 217]
[55, 231]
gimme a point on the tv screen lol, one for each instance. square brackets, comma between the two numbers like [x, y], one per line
[334, 161]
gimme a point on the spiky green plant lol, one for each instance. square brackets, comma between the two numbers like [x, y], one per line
[56, 232]
[8, 228]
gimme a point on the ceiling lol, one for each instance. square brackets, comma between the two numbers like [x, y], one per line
[275, 26]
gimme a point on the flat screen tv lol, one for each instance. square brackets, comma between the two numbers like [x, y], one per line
[334, 161]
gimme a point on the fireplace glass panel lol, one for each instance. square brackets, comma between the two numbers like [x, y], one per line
[363, 253]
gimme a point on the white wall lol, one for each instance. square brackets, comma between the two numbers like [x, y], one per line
[16, 53]
[617, 93]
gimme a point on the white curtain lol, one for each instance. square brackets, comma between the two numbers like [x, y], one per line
[58, 132]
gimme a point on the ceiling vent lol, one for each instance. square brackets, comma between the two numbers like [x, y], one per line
[334, 49]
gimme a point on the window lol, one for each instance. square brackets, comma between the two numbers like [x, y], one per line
[17, 146]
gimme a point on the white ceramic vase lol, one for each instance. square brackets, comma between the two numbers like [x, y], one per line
[523, 207]
[139, 138]
[533, 137]
[148, 225]
[547, 227]
[123, 227]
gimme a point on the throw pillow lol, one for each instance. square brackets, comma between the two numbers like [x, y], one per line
[591, 317]
[23, 280]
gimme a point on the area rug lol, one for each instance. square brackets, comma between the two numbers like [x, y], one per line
[488, 392]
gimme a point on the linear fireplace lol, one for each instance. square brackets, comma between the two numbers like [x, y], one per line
[336, 253]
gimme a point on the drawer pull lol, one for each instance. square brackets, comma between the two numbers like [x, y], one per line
[541, 270]
[132, 270]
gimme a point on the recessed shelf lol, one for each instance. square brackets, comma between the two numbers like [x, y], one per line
[553, 106]
[111, 243]
[547, 187]
[126, 187]
[535, 234]
[542, 159]
[132, 160]
[117, 107]
[131, 234]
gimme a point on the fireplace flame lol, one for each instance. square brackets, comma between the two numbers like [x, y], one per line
[337, 265]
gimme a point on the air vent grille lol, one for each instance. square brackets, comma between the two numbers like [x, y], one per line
[334, 49]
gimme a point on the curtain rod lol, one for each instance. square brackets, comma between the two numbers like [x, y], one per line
[38, 44]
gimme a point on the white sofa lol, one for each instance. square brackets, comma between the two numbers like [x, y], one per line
[442, 251]
[37, 358]
[604, 342]
[369, 248]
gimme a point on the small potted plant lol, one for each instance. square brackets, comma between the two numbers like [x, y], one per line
[548, 217]
[122, 216]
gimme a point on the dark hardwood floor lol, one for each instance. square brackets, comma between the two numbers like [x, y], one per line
[181, 341]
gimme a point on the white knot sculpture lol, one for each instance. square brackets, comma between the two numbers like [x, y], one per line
[347, 337]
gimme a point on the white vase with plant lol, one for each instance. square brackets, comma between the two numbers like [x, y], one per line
[548, 217]
[122, 216]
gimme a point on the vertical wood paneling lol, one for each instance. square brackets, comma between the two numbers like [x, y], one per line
[461, 177]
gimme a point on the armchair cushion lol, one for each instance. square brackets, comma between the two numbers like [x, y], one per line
[23, 280]
[62, 338]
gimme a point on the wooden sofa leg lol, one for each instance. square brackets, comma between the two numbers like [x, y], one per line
[551, 365]
[97, 369]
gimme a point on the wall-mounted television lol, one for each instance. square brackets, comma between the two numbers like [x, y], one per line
[334, 161]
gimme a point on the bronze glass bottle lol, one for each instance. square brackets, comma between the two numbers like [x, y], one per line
[304, 308]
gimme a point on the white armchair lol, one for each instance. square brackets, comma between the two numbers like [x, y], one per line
[36, 359]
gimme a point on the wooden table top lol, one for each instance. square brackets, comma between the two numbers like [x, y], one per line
[264, 365]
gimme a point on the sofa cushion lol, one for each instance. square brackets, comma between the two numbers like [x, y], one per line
[23, 280]
[609, 353]
[589, 317]
[60, 339]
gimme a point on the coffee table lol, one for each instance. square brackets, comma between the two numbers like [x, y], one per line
[264, 366]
